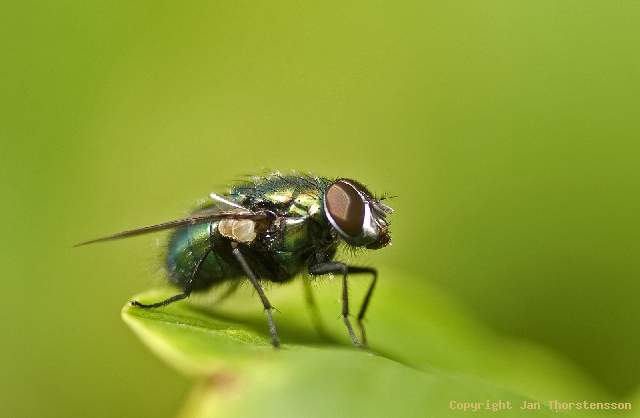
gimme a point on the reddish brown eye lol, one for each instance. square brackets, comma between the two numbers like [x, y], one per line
[359, 187]
[346, 207]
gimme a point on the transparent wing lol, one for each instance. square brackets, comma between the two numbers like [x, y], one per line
[206, 215]
[227, 205]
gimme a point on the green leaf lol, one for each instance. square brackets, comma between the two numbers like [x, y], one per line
[344, 382]
[426, 353]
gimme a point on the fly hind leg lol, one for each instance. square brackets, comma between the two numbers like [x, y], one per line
[187, 290]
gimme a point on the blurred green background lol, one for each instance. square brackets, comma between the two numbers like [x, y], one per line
[508, 130]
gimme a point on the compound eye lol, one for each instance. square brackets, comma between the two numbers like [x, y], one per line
[346, 207]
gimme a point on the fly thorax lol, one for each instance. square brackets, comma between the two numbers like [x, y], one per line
[295, 233]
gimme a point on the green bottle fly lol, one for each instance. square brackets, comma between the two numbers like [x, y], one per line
[272, 229]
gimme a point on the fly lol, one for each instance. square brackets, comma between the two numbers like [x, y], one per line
[271, 229]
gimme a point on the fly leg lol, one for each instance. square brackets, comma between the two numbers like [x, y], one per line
[337, 267]
[367, 298]
[265, 302]
[187, 289]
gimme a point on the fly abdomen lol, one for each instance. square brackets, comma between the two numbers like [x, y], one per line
[186, 246]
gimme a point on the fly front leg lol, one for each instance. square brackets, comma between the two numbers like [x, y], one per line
[187, 290]
[367, 298]
[337, 267]
[254, 281]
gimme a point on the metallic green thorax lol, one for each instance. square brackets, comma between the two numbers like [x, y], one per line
[298, 234]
